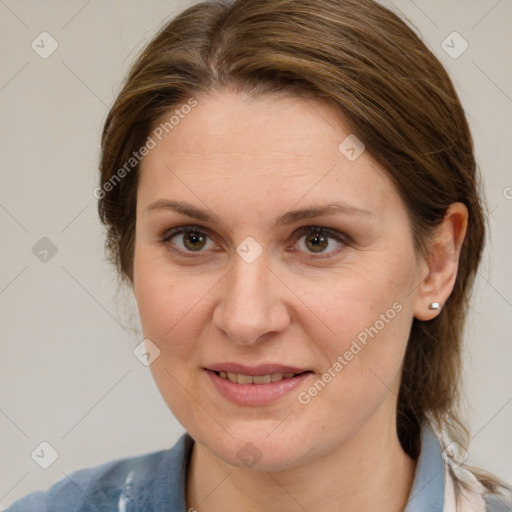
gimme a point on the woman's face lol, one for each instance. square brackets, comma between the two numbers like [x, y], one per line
[297, 259]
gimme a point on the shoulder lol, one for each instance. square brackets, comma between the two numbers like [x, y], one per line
[120, 485]
[93, 488]
[497, 495]
[480, 490]
[463, 488]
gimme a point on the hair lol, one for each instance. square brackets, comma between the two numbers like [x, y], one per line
[396, 97]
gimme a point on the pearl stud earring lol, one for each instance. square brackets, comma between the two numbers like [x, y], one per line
[434, 305]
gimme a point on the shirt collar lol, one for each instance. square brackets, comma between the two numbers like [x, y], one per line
[170, 484]
[427, 493]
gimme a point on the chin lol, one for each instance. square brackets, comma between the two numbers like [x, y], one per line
[259, 446]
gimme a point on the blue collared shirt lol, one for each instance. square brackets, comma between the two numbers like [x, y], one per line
[427, 493]
[156, 482]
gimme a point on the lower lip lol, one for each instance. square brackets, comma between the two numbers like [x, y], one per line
[256, 394]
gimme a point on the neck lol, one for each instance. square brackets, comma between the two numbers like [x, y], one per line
[365, 472]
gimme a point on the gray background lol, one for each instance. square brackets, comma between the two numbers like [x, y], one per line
[68, 375]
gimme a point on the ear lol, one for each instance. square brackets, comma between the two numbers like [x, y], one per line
[439, 267]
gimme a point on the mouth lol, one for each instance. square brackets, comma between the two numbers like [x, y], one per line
[240, 378]
[256, 385]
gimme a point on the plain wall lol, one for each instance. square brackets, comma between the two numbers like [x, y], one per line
[68, 375]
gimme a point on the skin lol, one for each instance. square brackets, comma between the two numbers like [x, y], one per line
[250, 162]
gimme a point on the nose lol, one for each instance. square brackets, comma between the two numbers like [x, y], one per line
[252, 304]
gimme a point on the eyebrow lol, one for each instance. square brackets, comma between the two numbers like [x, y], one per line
[288, 218]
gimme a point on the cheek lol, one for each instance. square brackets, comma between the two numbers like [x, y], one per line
[364, 346]
[362, 354]
[173, 305]
[363, 322]
[363, 300]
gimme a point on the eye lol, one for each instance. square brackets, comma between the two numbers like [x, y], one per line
[319, 240]
[188, 239]
[314, 240]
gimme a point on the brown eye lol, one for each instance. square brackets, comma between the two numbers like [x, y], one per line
[194, 241]
[319, 240]
[188, 239]
[316, 243]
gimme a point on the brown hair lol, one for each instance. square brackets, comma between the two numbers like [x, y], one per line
[398, 99]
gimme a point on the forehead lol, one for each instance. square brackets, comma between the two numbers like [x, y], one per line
[266, 149]
[267, 126]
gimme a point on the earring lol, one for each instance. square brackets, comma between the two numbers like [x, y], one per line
[434, 305]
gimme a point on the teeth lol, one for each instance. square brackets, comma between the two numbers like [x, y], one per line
[244, 379]
[239, 378]
[262, 379]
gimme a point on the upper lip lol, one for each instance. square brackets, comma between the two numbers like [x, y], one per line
[261, 369]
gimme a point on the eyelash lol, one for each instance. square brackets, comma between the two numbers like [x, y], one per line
[301, 232]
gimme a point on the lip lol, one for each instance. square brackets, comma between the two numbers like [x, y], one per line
[261, 369]
[257, 394]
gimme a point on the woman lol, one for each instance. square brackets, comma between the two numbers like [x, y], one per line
[289, 188]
